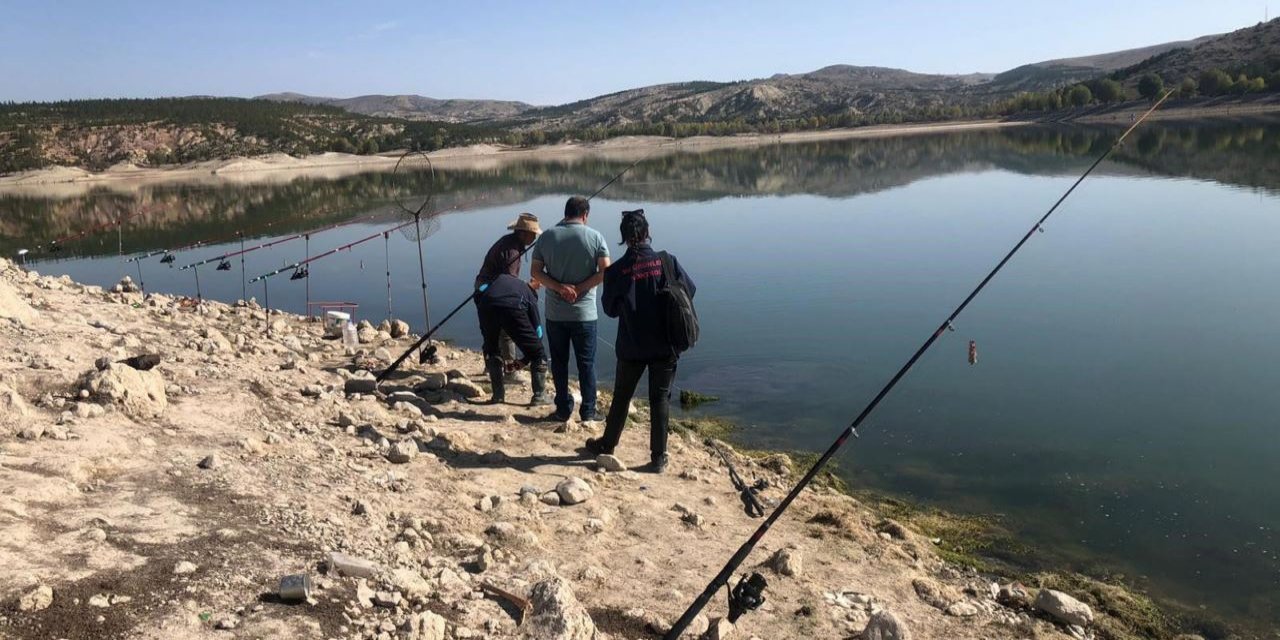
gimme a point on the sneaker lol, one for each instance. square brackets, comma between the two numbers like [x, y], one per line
[596, 447]
[560, 417]
[540, 400]
[589, 417]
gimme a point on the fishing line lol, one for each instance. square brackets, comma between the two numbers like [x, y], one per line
[722, 579]
[427, 336]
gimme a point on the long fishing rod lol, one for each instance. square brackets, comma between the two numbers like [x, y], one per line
[427, 336]
[55, 245]
[349, 245]
[722, 579]
[222, 258]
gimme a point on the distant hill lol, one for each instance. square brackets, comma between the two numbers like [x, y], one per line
[837, 89]
[413, 107]
[1051, 74]
[1255, 50]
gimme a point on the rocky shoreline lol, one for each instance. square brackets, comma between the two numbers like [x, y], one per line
[169, 497]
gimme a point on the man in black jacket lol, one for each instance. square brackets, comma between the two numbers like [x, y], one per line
[509, 305]
[631, 287]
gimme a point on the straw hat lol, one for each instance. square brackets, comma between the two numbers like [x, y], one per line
[526, 222]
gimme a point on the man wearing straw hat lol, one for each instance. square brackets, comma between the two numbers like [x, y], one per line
[503, 258]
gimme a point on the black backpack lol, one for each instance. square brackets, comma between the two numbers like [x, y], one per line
[677, 308]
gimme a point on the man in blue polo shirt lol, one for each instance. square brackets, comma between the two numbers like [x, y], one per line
[569, 260]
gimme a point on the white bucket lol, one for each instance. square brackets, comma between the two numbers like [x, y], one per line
[334, 321]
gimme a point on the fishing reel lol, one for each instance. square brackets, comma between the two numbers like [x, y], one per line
[301, 273]
[746, 596]
[428, 355]
[168, 258]
[225, 265]
[54, 247]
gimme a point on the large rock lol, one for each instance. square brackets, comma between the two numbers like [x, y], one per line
[1064, 608]
[465, 388]
[140, 394]
[13, 409]
[556, 613]
[399, 329]
[574, 491]
[883, 625]
[13, 307]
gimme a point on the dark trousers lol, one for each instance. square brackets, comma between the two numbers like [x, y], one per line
[662, 373]
[582, 337]
[514, 323]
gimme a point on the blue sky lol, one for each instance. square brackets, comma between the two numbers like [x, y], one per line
[545, 52]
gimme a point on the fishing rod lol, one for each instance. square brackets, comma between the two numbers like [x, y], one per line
[349, 245]
[427, 336]
[722, 579]
[55, 245]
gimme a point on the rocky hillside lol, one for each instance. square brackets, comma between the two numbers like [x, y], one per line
[1051, 74]
[1255, 50]
[172, 497]
[839, 89]
[413, 107]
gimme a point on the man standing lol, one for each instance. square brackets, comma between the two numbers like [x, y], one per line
[632, 294]
[569, 260]
[504, 257]
[509, 305]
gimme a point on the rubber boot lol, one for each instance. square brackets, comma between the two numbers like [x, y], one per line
[495, 369]
[538, 381]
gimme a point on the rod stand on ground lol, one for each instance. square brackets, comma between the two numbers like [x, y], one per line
[199, 294]
[244, 287]
[266, 305]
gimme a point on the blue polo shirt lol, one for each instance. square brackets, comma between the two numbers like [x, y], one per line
[571, 252]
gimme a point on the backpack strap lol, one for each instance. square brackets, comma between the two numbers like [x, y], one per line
[668, 267]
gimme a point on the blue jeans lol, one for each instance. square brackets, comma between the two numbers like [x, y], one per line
[582, 336]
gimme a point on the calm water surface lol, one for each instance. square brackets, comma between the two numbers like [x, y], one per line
[1123, 412]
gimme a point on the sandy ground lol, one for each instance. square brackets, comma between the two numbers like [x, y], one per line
[283, 168]
[169, 503]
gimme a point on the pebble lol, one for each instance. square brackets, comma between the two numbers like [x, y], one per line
[402, 452]
[184, 567]
[211, 461]
[610, 463]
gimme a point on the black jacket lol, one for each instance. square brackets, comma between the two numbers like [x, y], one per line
[631, 288]
[509, 294]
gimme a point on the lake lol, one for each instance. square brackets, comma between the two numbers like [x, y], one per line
[1123, 411]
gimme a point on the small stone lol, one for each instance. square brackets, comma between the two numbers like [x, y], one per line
[433, 381]
[402, 452]
[551, 498]
[211, 461]
[610, 463]
[788, 561]
[387, 599]
[720, 629]
[100, 600]
[1064, 608]
[227, 623]
[962, 610]
[360, 385]
[574, 491]
[426, 625]
[37, 599]
[352, 566]
[935, 594]
[399, 329]
[184, 567]
[884, 625]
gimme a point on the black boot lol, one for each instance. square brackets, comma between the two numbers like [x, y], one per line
[494, 367]
[538, 381]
